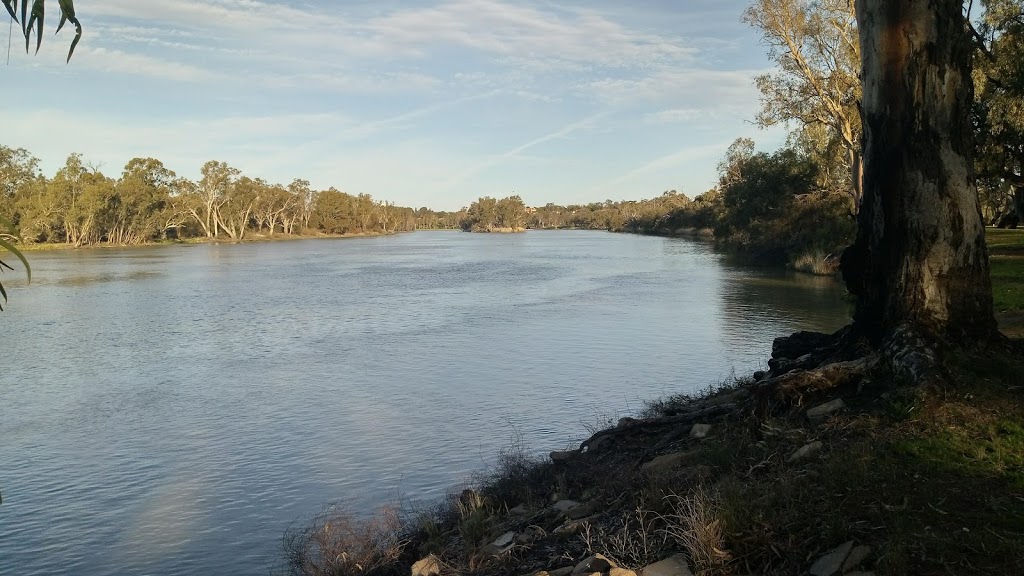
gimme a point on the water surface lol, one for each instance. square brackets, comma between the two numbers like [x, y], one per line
[171, 410]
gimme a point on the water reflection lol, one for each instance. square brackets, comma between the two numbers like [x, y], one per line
[172, 410]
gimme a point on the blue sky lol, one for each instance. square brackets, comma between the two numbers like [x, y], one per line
[422, 102]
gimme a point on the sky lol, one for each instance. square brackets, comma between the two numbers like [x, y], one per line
[421, 102]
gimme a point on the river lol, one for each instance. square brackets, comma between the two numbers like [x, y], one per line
[171, 410]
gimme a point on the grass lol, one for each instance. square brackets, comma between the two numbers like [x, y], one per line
[1006, 256]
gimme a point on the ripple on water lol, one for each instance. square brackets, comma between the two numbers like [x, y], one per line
[174, 410]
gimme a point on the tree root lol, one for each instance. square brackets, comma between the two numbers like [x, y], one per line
[654, 425]
[798, 382]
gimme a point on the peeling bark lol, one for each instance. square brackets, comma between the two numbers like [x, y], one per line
[919, 267]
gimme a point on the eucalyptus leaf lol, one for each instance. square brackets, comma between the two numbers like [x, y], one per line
[78, 36]
[10, 9]
[32, 20]
[37, 17]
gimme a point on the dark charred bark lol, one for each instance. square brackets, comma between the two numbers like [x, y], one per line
[919, 267]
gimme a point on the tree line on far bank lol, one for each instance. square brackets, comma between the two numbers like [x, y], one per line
[148, 202]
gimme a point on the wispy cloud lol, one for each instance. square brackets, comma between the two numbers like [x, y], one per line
[666, 161]
[442, 95]
[494, 160]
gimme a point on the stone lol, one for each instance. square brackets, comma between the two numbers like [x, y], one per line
[822, 411]
[429, 566]
[583, 510]
[596, 563]
[700, 431]
[616, 571]
[831, 563]
[565, 505]
[627, 421]
[760, 374]
[856, 557]
[520, 510]
[668, 461]
[797, 344]
[562, 455]
[806, 452]
[671, 566]
[566, 571]
[504, 540]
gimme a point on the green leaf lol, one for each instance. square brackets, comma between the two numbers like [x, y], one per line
[17, 253]
[68, 7]
[78, 36]
[63, 20]
[24, 19]
[37, 18]
[10, 10]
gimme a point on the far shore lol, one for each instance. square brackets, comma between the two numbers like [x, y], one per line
[253, 238]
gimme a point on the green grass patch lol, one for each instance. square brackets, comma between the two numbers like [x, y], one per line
[1006, 253]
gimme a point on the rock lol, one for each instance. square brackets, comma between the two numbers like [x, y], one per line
[759, 375]
[671, 566]
[563, 455]
[520, 510]
[700, 431]
[583, 510]
[429, 566]
[504, 540]
[858, 573]
[807, 451]
[595, 563]
[822, 411]
[831, 563]
[668, 461]
[627, 421]
[616, 571]
[798, 344]
[565, 505]
[857, 555]
[780, 366]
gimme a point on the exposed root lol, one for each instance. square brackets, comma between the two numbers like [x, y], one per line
[794, 384]
[655, 425]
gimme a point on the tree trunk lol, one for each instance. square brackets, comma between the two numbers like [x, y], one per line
[919, 267]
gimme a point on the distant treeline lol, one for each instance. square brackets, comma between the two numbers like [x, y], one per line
[79, 205]
[779, 209]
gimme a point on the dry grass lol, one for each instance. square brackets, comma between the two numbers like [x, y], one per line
[336, 543]
[695, 525]
[636, 541]
[817, 263]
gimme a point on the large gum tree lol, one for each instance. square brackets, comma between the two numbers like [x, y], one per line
[919, 267]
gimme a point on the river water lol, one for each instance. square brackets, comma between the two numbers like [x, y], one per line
[171, 410]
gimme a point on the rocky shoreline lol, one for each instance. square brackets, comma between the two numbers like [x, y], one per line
[795, 470]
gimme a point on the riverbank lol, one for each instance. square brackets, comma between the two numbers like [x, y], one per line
[189, 241]
[876, 476]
